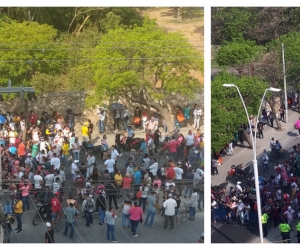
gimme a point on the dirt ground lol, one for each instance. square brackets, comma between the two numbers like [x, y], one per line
[192, 29]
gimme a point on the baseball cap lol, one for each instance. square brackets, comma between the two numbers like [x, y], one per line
[57, 193]
[91, 196]
[71, 203]
[238, 182]
[170, 195]
[76, 161]
[48, 224]
[28, 154]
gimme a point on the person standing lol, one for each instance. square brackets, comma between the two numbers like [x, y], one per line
[125, 114]
[170, 205]
[84, 132]
[197, 115]
[297, 126]
[49, 234]
[265, 161]
[136, 214]
[101, 204]
[173, 145]
[264, 220]
[117, 117]
[71, 212]
[90, 131]
[102, 115]
[298, 231]
[88, 207]
[151, 209]
[18, 209]
[126, 205]
[110, 217]
[285, 232]
[90, 164]
[138, 117]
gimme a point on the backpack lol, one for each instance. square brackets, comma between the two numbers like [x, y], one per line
[139, 194]
[89, 204]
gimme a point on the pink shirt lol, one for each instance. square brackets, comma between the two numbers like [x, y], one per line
[158, 182]
[25, 190]
[173, 146]
[135, 213]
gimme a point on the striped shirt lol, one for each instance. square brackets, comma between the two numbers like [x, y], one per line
[197, 112]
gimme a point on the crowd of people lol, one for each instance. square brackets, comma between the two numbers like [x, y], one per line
[38, 153]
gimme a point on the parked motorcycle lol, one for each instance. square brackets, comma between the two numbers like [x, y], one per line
[236, 172]
[135, 144]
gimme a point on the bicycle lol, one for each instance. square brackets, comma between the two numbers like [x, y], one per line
[275, 155]
[185, 212]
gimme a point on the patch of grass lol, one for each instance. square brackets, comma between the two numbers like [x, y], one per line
[193, 20]
[214, 64]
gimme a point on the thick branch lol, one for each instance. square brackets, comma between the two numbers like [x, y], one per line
[81, 26]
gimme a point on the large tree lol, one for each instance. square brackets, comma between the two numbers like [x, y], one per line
[227, 111]
[147, 65]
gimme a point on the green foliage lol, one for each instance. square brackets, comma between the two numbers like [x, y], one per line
[30, 42]
[149, 59]
[237, 53]
[227, 112]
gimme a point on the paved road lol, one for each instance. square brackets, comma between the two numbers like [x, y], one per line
[187, 232]
[288, 137]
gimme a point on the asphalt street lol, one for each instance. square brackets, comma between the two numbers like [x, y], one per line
[288, 137]
[187, 232]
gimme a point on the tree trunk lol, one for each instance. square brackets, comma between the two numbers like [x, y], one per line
[272, 104]
[179, 14]
[248, 139]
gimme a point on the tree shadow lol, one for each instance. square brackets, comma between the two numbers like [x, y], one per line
[291, 133]
[199, 29]
[171, 12]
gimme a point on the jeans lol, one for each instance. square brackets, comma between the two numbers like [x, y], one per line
[187, 189]
[66, 159]
[8, 207]
[72, 228]
[101, 215]
[173, 156]
[266, 169]
[192, 212]
[125, 124]
[167, 218]
[134, 225]
[18, 217]
[196, 122]
[110, 232]
[88, 217]
[76, 156]
[25, 201]
[124, 218]
[101, 126]
[114, 198]
[143, 201]
[150, 214]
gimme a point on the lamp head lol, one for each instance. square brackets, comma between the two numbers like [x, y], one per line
[274, 89]
[228, 85]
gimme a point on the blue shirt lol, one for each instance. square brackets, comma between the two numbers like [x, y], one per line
[12, 150]
[137, 178]
[130, 133]
[144, 147]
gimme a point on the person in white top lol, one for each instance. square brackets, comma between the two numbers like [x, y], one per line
[55, 161]
[90, 164]
[12, 136]
[238, 187]
[38, 180]
[197, 115]
[74, 169]
[49, 179]
[102, 115]
[179, 172]
[289, 215]
[154, 167]
[114, 153]
[170, 204]
[109, 165]
[168, 184]
[240, 210]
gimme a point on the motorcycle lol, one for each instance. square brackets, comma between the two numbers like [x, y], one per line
[236, 172]
[86, 146]
[42, 213]
[135, 144]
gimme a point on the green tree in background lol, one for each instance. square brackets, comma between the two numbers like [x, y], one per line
[147, 65]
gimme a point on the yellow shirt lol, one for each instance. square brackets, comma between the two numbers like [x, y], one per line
[65, 149]
[84, 131]
[18, 207]
[118, 179]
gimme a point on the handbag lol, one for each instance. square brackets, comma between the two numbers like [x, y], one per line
[141, 219]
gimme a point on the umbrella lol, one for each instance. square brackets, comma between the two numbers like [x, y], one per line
[117, 106]
[2, 119]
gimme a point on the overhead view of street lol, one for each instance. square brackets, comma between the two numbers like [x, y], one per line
[255, 167]
[102, 125]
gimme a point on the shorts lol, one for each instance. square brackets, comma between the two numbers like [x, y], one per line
[176, 211]
[53, 216]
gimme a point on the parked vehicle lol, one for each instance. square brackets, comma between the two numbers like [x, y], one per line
[135, 144]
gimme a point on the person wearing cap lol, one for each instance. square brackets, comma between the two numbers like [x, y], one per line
[70, 212]
[169, 205]
[49, 234]
[88, 207]
[285, 231]
[289, 215]
[238, 188]
[135, 215]
[125, 207]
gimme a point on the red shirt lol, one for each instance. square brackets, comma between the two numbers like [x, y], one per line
[170, 173]
[173, 146]
[32, 119]
[21, 149]
[126, 182]
[55, 205]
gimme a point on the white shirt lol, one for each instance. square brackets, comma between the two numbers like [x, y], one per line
[55, 187]
[37, 181]
[240, 207]
[101, 116]
[90, 161]
[49, 180]
[109, 164]
[189, 140]
[114, 154]
[179, 173]
[238, 188]
[56, 162]
[153, 168]
[167, 185]
[170, 205]
[74, 168]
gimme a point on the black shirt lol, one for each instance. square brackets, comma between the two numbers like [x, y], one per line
[118, 138]
[91, 127]
[49, 235]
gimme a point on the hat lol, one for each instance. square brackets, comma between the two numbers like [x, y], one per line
[289, 208]
[238, 183]
[48, 224]
[28, 154]
[240, 201]
[71, 203]
[76, 161]
[91, 196]
[57, 193]
[129, 125]
[88, 184]
[170, 195]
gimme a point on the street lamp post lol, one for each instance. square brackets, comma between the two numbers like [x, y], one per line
[255, 166]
